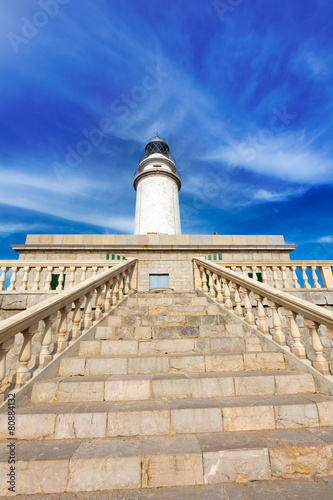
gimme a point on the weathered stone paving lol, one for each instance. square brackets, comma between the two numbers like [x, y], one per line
[174, 397]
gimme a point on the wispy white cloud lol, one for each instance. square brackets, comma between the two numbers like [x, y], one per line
[228, 190]
[325, 239]
[287, 156]
[265, 195]
[76, 199]
[7, 228]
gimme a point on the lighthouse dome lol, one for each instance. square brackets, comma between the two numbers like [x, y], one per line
[157, 145]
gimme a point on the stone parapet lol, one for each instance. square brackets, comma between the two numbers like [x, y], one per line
[152, 240]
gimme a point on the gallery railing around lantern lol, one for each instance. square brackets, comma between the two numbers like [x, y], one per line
[249, 299]
[144, 156]
[140, 170]
[71, 312]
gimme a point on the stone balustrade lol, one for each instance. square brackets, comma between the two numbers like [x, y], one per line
[246, 297]
[34, 276]
[70, 313]
[292, 274]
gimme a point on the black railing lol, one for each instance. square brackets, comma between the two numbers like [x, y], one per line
[175, 171]
[144, 156]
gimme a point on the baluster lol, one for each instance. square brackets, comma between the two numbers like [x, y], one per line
[305, 277]
[115, 291]
[76, 330]
[295, 277]
[98, 310]
[4, 271]
[83, 275]
[284, 277]
[219, 296]
[263, 326]
[94, 270]
[254, 273]
[238, 308]
[120, 286]
[298, 349]
[62, 328]
[107, 296]
[244, 273]
[127, 280]
[71, 277]
[46, 341]
[35, 286]
[134, 276]
[131, 281]
[23, 373]
[47, 286]
[204, 281]
[228, 303]
[197, 276]
[327, 276]
[4, 348]
[87, 321]
[249, 317]
[61, 278]
[278, 336]
[24, 285]
[315, 277]
[264, 275]
[276, 277]
[211, 284]
[12, 285]
[259, 271]
[320, 362]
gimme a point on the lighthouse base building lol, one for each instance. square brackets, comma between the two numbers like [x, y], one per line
[164, 365]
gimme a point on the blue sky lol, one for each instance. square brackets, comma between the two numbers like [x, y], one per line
[241, 90]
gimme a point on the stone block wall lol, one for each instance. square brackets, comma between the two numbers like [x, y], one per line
[178, 266]
[15, 302]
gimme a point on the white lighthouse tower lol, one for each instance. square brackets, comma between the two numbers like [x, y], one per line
[157, 183]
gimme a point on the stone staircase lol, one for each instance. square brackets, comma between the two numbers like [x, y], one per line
[173, 390]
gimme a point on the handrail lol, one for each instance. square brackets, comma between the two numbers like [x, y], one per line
[109, 286]
[226, 285]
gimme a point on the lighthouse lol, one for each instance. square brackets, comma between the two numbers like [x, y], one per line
[157, 183]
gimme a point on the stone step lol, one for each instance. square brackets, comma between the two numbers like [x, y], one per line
[133, 328]
[167, 299]
[300, 489]
[172, 346]
[174, 309]
[170, 386]
[165, 461]
[171, 363]
[110, 419]
[133, 317]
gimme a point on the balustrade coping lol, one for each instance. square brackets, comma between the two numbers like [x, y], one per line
[61, 263]
[29, 292]
[290, 302]
[271, 263]
[25, 319]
